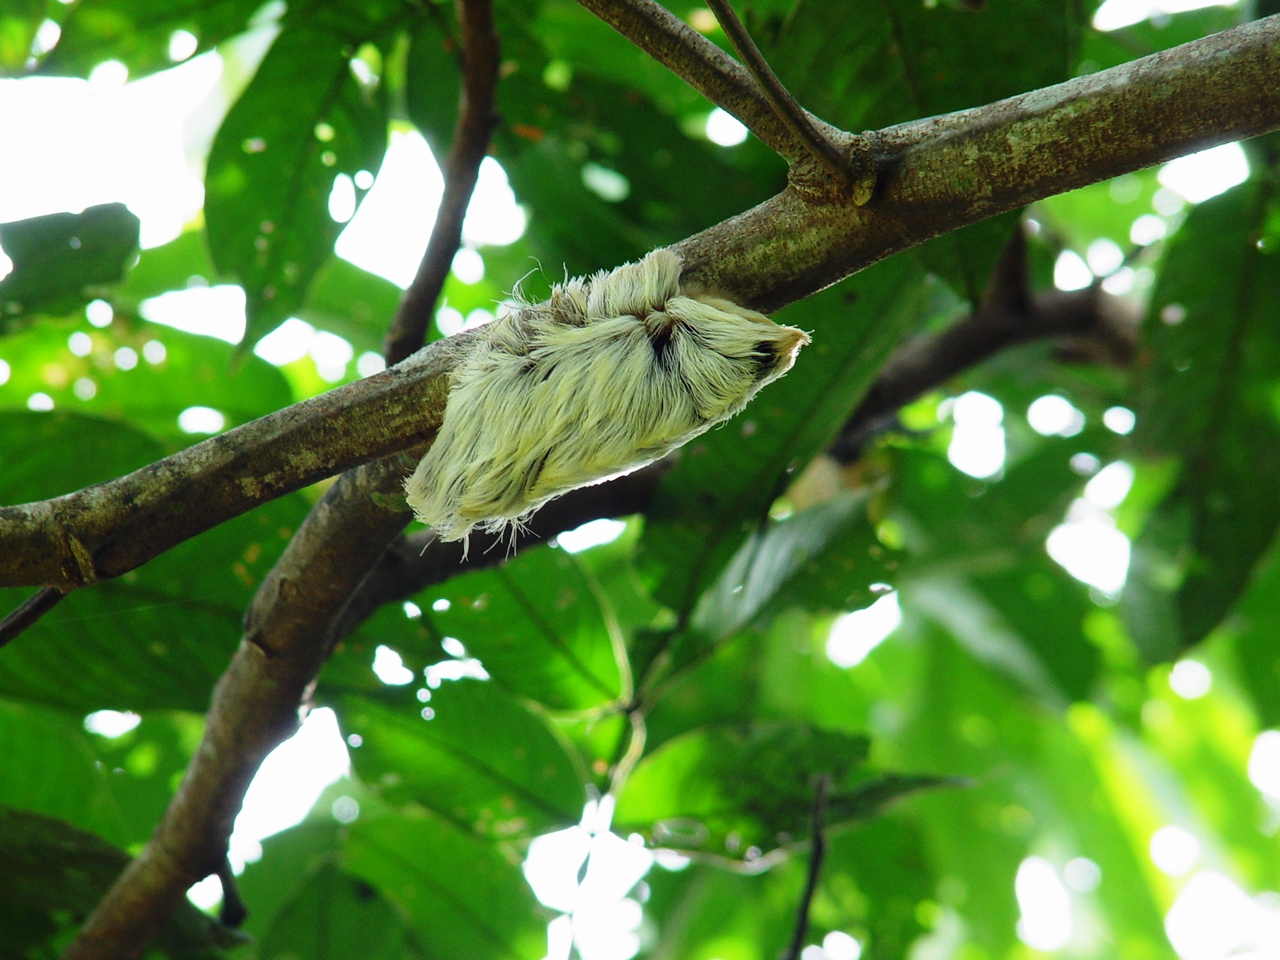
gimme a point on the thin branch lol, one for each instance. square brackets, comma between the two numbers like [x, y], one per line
[817, 851]
[708, 69]
[476, 119]
[1087, 323]
[821, 147]
[939, 174]
[28, 612]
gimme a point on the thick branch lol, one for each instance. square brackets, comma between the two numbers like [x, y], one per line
[937, 175]
[467, 149]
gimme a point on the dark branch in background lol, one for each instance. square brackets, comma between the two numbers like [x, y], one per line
[1088, 324]
[821, 147]
[709, 70]
[476, 120]
[289, 628]
[817, 851]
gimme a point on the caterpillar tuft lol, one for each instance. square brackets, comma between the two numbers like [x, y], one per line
[608, 374]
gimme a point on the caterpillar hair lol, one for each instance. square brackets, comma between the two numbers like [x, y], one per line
[606, 375]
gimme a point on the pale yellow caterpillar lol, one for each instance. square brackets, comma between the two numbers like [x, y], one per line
[606, 375]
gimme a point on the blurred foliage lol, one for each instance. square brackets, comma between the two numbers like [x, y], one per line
[689, 667]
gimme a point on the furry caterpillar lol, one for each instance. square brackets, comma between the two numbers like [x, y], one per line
[608, 374]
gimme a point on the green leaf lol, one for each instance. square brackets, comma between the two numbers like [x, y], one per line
[137, 33]
[1207, 394]
[60, 260]
[303, 120]
[169, 372]
[55, 873]
[1256, 627]
[824, 558]
[901, 60]
[537, 627]
[723, 483]
[18, 26]
[115, 788]
[479, 758]
[337, 916]
[461, 896]
[742, 792]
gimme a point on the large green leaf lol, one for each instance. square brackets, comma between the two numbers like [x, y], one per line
[303, 905]
[537, 627]
[303, 120]
[140, 373]
[743, 792]
[474, 755]
[1206, 394]
[55, 874]
[115, 788]
[137, 33]
[824, 558]
[979, 564]
[723, 482]
[63, 259]
[462, 897]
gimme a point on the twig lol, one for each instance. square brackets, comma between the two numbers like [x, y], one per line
[28, 612]
[821, 147]
[704, 66]
[817, 850]
[233, 912]
[476, 119]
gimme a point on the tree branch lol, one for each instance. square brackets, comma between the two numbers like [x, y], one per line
[817, 851]
[470, 143]
[943, 173]
[108, 529]
[937, 175]
[257, 705]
